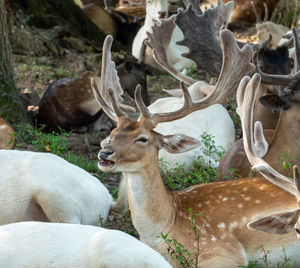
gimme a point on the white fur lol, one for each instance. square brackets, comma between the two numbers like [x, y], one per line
[174, 51]
[213, 120]
[58, 245]
[65, 192]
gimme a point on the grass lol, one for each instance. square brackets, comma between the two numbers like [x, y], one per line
[181, 177]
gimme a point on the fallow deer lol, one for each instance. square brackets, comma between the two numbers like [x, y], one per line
[284, 139]
[285, 221]
[45, 187]
[223, 209]
[155, 11]
[57, 245]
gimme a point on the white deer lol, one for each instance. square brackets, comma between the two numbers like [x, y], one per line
[45, 187]
[57, 245]
[155, 11]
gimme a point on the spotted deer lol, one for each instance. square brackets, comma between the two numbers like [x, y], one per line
[255, 147]
[223, 209]
[284, 139]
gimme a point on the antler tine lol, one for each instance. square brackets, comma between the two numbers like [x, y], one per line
[297, 49]
[265, 43]
[258, 19]
[224, 12]
[266, 17]
[296, 175]
[253, 149]
[235, 59]
[106, 108]
[139, 102]
[159, 41]
[200, 39]
[115, 105]
[171, 116]
[195, 4]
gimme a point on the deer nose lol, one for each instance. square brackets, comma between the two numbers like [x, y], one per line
[104, 154]
[162, 14]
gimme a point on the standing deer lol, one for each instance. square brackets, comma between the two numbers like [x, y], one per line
[225, 208]
[284, 139]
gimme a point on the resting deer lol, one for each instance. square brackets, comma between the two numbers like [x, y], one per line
[155, 11]
[57, 245]
[45, 187]
[283, 140]
[225, 208]
[285, 221]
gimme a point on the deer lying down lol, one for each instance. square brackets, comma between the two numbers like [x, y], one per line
[45, 187]
[58, 245]
[220, 211]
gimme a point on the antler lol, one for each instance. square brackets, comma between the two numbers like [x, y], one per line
[227, 83]
[109, 83]
[257, 147]
[199, 37]
[224, 12]
[195, 4]
[258, 18]
[159, 41]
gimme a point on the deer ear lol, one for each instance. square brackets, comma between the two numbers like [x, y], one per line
[280, 223]
[178, 143]
[273, 102]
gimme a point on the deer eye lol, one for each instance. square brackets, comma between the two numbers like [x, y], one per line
[142, 140]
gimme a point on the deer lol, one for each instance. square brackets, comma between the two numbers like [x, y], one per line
[155, 11]
[44, 187]
[282, 140]
[6, 135]
[41, 244]
[264, 28]
[215, 119]
[224, 208]
[69, 103]
[255, 145]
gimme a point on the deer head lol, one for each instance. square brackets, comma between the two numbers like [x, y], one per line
[256, 146]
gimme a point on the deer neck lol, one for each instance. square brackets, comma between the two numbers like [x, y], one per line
[287, 130]
[149, 203]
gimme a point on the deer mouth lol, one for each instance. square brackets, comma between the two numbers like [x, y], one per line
[106, 163]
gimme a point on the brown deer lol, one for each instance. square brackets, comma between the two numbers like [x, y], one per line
[220, 211]
[285, 221]
[284, 139]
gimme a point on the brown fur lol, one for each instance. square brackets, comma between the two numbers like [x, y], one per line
[6, 138]
[223, 209]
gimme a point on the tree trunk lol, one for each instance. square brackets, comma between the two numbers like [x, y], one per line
[286, 12]
[10, 106]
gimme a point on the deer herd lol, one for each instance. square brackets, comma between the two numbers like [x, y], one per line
[51, 211]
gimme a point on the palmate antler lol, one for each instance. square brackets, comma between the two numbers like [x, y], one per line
[256, 147]
[199, 37]
[224, 12]
[159, 41]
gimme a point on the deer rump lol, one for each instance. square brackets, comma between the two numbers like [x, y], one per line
[68, 104]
